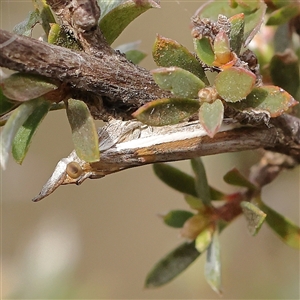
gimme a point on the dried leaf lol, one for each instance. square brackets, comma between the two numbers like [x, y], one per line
[25, 133]
[234, 177]
[120, 16]
[16, 120]
[234, 84]
[166, 111]
[254, 216]
[180, 82]
[211, 116]
[24, 87]
[169, 53]
[84, 132]
[202, 187]
[177, 218]
[172, 265]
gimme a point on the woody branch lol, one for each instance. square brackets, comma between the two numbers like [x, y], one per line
[103, 78]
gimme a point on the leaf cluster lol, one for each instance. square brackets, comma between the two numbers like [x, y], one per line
[220, 35]
[213, 212]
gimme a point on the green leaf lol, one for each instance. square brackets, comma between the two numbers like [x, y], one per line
[166, 111]
[25, 27]
[23, 87]
[234, 84]
[118, 18]
[254, 216]
[282, 226]
[135, 56]
[283, 14]
[204, 239]
[177, 218]
[211, 116]
[25, 133]
[57, 36]
[268, 98]
[201, 183]
[169, 53]
[194, 202]
[180, 82]
[237, 32]
[234, 177]
[84, 132]
[6, 104]
[253, 19]
[284, 71]
[213, 264]
[172, 265]
[204, 50]
[16, 120]
[175, 178]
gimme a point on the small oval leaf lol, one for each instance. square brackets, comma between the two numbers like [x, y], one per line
[287, 230]
[166, 111]
[118, 18]
[211, 116]
[269, 98]
[84, 132]
[204, 50]
[177, 218]
[24, 87]
[180, 82]
[169, 53]
[172, 265]
[25, 133]
[234, 84]
[254, 216]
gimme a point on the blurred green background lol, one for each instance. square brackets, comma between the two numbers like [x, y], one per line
[99, 240]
